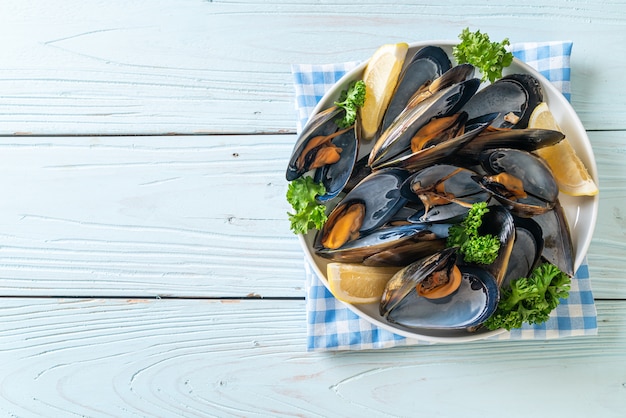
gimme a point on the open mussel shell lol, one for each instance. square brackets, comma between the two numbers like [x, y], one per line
[415, 240]
[528, 139]
[558, 248]
[427, 64]
[405, 281]
[320, 124]
[469, 306]
[368, 206]
[438, 186]
[527, 249]
[423, 244]
[453, 76]
[335, 176]
[396, 139]
[500, 223]
[514, 97]
[441, 151]
[380, 192]
[540, 191]
[448, 213]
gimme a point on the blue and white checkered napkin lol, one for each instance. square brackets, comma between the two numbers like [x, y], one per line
[332, 326]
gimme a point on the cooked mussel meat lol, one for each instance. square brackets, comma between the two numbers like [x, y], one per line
[343, 224]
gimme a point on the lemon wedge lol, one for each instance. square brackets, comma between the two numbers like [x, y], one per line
[380, 77]
[569, 171]
[358, 284]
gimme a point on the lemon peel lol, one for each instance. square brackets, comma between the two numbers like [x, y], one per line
[569, 171]
[380, 77]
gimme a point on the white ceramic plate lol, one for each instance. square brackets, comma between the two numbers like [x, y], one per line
[581, 212]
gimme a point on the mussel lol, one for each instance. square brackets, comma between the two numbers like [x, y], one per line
[368, 206]
[528, 139]
[438, 140]
[451, 77]
[514, 97]
[519, 180]
[395, 245]
[558, 248]
[500, 223]
[323, 147]
[441, 185]
[396, 139]
[334, 176]
[435, 293]
[526, 251]
[427, 64]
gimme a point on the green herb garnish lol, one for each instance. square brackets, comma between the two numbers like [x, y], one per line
[489, 57]
[530, 300]
[475, 248]
[351, 100]
[308, 214]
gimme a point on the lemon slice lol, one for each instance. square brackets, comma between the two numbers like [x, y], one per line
[358, 284]
[569, 171]
[380, 77]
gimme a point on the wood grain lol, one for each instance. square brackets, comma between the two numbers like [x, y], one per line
[97, 358]
[224, 67]
[143, 147]
[606, 254]
[203, 216]
[194, 216]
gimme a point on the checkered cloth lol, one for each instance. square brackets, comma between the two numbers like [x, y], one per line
[332, 326]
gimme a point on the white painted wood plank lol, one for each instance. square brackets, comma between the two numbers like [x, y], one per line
[101, 358]
[199, 216]
[165, 66]
[190, 216]
[608, 246]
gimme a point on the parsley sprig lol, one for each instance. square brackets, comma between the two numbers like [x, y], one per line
[475, 248]
[489, 57]
[301, 194]
[351, 100]
[530, 300]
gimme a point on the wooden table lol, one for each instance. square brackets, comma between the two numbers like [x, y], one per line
[147, 267]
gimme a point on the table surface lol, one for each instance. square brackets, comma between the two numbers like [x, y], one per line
[147, 267]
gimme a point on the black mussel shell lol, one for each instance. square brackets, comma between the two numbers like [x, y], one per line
[513, 95]
[426, 65]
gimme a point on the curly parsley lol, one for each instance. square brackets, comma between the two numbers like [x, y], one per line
[489, 57]
[351, 100]
[475, 248]
[301, 194]
[530, 300]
